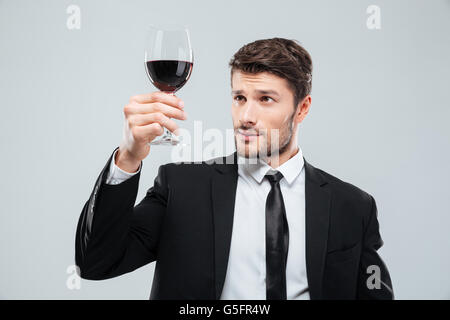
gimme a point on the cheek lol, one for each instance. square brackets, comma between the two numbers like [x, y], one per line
[234, 115]
[272, 120]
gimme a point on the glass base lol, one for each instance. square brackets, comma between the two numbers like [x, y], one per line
[166, 141]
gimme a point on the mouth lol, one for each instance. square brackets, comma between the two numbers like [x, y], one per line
[247, 135]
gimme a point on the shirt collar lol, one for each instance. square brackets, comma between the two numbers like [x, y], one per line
[290, 169]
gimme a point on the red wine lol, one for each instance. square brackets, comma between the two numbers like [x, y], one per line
[168, 75]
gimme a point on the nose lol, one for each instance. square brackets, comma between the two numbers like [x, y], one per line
[249, 113]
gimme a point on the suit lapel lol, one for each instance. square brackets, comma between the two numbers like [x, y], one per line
[317, 202]
[223, 193]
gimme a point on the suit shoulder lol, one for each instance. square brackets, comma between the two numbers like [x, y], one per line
[345, 188]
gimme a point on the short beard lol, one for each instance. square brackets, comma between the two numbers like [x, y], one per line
[285, 140]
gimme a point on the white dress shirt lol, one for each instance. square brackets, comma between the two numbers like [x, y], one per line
[117, 175]
[246, 271]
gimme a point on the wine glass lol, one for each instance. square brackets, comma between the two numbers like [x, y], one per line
[168, 63]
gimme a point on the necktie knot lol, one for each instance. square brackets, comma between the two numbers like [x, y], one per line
[274, 178]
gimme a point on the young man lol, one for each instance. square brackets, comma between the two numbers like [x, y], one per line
[274, 228]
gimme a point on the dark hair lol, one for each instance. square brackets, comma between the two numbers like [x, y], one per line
[282, 57]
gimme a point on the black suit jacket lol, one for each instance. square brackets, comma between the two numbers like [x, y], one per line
[184, 223]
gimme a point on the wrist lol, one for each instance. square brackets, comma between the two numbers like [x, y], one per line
[126, 162]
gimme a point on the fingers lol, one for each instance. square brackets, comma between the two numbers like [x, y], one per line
[147, 133]
[143, 120]
[148, 114]
[170, 111]
[158, 96]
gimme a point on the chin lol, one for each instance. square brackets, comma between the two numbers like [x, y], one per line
[247, 151]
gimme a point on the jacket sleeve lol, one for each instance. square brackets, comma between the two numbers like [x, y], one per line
[113, 236]
[374, 280]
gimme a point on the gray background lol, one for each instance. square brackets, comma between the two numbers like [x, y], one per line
[378, 120]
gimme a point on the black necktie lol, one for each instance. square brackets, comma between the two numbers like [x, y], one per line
[277, 241]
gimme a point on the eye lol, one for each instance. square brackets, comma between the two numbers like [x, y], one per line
[266, 99]
[239, 98]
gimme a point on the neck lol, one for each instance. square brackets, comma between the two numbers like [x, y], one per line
[277, 160]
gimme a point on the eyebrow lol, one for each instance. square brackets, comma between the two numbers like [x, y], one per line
[273, 92]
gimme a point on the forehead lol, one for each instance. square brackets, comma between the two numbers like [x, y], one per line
[259, 81]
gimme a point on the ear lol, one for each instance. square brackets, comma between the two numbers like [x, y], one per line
[303, 108]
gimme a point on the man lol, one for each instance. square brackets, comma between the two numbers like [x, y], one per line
[273, 228]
